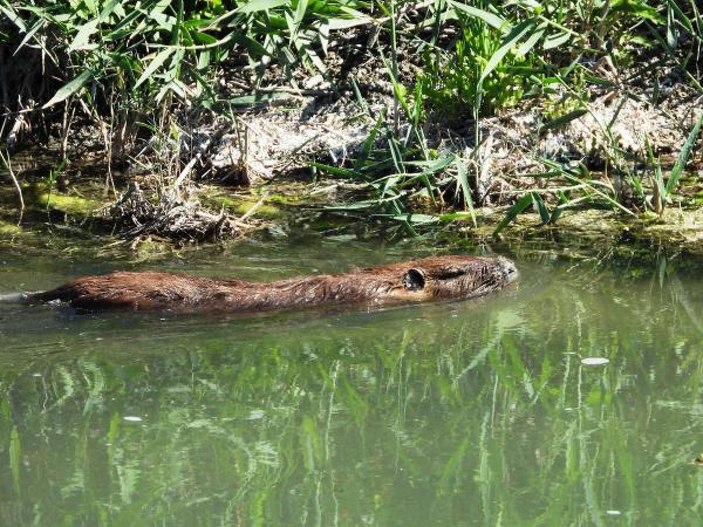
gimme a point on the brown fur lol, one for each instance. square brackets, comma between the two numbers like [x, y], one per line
[436, 278]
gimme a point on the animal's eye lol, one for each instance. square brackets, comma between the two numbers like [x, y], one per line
[414, 280]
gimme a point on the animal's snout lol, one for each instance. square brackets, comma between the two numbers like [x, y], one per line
[509, 269]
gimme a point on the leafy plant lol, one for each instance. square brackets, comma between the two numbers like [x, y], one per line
[145, 55]
[580, 187]
[663, 190]
[484, 72]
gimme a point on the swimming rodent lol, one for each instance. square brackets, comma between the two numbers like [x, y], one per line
[428, 279]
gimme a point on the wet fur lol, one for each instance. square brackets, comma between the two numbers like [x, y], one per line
[428, 279]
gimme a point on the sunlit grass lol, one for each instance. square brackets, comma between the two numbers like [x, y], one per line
[504, 55]
[136, 68]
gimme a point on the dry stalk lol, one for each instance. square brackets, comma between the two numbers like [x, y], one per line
[6, 161]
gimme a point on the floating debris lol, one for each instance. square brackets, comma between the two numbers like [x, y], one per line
[170, 216]
[594, 361]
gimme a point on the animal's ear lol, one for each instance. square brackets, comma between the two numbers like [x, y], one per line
[414, 279]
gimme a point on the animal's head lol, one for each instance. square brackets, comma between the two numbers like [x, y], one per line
[448, 277]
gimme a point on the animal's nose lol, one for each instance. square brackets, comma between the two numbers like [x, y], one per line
[509, 268]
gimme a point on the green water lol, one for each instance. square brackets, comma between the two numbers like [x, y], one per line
[474, 413]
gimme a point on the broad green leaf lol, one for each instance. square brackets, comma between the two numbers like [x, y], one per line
[290, 24]
[204, 59]
[510, 40]
[512, 213]
[260, 5]
[337, 171]
[108, 9]
[69, 89]
[433, 166]
[204, 38]
[489, 18]
[315, 59]
[155, 64]
[336, 24]
[300, 12]
[641, 9]
[527, 46]
[186, 38]
[541, 207]
[556, 40]
[157, 14]
[82, 38]
[197, 23]
[255, 49]
[683, 156]
[90, 6]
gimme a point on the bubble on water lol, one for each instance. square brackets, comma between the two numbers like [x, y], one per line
[594, 361]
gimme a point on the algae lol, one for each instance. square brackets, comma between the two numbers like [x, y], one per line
[243, 203]
[10, 229]
[68, 204]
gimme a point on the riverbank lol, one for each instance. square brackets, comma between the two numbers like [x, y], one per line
[71, 226]
[384, 127]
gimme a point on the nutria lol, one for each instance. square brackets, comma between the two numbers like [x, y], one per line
[436, 278]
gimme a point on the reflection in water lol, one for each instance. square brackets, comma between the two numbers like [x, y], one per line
[475, 413]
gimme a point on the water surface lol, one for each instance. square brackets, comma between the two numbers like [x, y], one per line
[470, 413]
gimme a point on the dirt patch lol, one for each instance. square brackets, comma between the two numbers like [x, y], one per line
[278, 140]
[612, 132]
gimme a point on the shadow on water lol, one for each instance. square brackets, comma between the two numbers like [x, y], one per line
[468, 413]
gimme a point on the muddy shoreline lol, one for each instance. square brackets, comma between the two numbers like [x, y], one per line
[291, 211]
[256, 176]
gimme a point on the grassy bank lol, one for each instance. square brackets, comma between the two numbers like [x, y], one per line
[437, 108]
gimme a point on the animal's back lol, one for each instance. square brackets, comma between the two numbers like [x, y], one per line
[428, 279]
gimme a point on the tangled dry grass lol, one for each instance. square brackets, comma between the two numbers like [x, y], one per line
[171, 215]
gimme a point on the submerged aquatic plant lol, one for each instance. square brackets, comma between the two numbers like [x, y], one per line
[268, 421]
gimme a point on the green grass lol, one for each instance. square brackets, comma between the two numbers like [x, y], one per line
[145, 71]
[503, 55]
[129, 62]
